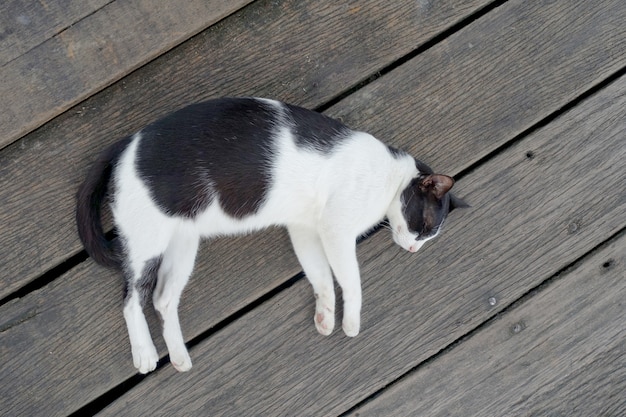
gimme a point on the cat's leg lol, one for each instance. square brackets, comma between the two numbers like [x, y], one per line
[340, 250]
[177, 265]
[308, 248]
[140, 279]
[143, 245]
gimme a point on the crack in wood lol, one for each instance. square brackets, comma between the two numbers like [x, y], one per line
[31, 313]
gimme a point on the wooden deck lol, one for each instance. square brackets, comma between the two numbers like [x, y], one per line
[518, 309]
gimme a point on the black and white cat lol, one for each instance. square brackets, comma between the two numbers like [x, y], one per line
[235, 165]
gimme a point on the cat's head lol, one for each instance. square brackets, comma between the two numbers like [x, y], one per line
[423, 206]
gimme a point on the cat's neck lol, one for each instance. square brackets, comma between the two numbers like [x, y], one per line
[404, 170]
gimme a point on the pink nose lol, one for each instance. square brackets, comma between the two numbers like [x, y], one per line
[412, 248]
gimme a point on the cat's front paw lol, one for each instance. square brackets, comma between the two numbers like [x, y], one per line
[180, 360]
[324, 321]
[145, 358]
[351, 326]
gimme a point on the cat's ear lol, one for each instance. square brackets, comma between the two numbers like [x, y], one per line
[436, 184]
[456, 202]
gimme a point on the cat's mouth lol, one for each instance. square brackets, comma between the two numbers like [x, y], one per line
[408, 242]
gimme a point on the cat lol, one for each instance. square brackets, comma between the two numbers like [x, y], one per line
[234, 165]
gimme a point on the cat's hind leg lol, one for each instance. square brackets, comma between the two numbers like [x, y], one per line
[140, 280]
[143, 244]
[177, 265]
[309, 251]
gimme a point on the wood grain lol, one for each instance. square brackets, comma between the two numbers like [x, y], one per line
[94, 52]
[268, 49]
[27, 24]
[560, 353]
[65, 307]
[492, 80]
[517, 234]
[66, 344]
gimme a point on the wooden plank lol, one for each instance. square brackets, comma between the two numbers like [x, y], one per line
[270, 362]
[267, 49]
[93, 53]
[72, 353]
[66, 344]
[26, 24]
[65, 305]
[566, 356]
[494, 80]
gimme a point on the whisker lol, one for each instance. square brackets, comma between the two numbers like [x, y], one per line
[386, 225]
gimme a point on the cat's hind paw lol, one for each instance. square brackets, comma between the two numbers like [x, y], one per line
[324, 322]
[145, 358]
[181, 361]
[351, 327]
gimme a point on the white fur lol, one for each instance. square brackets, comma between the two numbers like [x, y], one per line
[325, 201]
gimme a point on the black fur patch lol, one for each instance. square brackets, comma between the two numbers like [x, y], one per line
[423, 211]
[220, 148]
[314, 130]
[89, 198]
[423, 168]
[395, 152]
[146, 284]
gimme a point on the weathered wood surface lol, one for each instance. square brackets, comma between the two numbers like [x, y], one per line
[270, 362]
[233, 282]
[66, 343]
[94, 52]
[268, 49]
[27, 24]
[494, 79]
[562, 352]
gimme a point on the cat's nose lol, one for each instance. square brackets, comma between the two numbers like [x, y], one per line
[416, 246]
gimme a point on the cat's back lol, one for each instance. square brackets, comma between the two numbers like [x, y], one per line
[229, 130]
[234, 149]
[239, 127]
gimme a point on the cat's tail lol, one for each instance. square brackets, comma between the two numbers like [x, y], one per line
[90, 197]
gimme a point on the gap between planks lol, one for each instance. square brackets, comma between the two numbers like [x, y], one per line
[79, 64]
[509, 251]
[74, 138]
[49, 19]
[400, 395]
[545, 285]
[130, 383]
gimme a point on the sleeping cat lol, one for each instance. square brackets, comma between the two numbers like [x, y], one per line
[235, 165]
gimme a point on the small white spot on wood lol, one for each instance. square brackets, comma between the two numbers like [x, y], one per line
[517, 327]
[23, 19]
[425, 4]
[492, 301]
